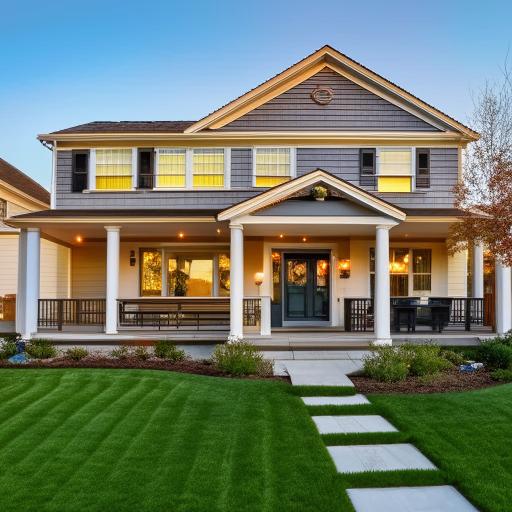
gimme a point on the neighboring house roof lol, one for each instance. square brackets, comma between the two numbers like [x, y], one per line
[129, 127]
[23, 183]
[280, 83]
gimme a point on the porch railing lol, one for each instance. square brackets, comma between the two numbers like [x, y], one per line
[465, 312]
[55, 313]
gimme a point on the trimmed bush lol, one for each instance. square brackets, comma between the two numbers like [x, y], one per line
[496, 354]
[169, 351]
[386, 364]
[502, 375]
[456, 358]
[40, 349]
[76, 353]
[121, 352]
[7, 348]
[241, 358]
[425, 359]
[141, 353]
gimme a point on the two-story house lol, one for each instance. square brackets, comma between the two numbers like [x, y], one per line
[306, 203]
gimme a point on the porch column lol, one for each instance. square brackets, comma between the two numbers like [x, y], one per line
[503, 298]
[113, 239]
[236, 303]
[382, 288]
[27, 298]
[478, 271]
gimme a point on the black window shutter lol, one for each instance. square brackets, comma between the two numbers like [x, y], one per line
[422, 168]
[146, 164]
[80, 170]
[367, 167]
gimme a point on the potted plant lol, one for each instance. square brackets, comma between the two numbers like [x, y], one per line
[179, 279]
[319, 193]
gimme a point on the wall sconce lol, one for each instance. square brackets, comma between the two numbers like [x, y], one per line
[258, 278]
[132, 259]
[344, 268]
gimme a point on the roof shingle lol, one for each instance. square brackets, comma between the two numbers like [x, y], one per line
[22, 182]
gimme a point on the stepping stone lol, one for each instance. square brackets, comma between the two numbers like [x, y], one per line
[378, 457]
[442, 498]
[336, 400]
[320, 373]
[352, 424]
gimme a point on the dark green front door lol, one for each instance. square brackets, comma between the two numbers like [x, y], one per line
[306, 287]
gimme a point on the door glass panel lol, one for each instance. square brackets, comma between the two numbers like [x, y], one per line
[151, 272]
[276, 277]
[321, 292]
[296, 280]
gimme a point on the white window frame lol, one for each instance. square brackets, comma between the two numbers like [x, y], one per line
[412, 174]
[155, 171]
[293, 161]
[91, 181]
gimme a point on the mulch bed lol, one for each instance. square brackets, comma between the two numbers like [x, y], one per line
[450, 381]
[185, 366]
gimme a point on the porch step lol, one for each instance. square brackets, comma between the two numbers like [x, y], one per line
[360, 424]
[320, 373]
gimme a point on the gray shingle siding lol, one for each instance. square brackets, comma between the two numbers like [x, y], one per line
[353, 108]
[342, 162]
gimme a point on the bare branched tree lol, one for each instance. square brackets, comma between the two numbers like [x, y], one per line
[485, 193]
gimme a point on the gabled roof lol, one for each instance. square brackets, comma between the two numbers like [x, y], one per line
[23, 183]
[339, 62]
[129, 127]
[288, 189]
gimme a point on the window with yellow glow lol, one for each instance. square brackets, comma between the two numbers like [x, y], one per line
[395, 170]
[224, 275]
[113, 169]
[273, 166]
[190, 276]
[208, 168]
[151, 272]
[171, 170]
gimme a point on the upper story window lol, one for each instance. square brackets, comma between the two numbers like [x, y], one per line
[80, 170]
[172, 168]
[367, 166]
[272, 166]
[3, 209]
[422, 168]
[208, 168]
[114, 169]
[145, 159]
[394, 170]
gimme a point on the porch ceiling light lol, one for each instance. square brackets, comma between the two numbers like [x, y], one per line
[304, 239]
[258, 278]
[218, 231]
[79, 239]
[181, 235]
[344, 268]
[281, 235]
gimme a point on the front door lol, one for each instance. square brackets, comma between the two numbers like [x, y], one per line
[306, 287]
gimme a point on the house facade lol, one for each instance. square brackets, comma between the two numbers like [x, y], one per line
[19, 194]
[320, 199]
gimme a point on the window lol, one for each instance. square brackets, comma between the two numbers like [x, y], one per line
[224, 275]
[80, 170]
[171, 172]
[146, 165]
[151, 272]
[398, 270]
[395, 170]
[190, 276]
[422, 269]
[3, 208]
[208, 168]
[367, 167]
[113, 169]
[422, 168]
[272, 166]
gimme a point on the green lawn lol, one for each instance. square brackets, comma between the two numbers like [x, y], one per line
[131, 440]
[467, 435]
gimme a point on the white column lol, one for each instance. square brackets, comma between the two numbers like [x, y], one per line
[21, 294]
[237, 280]
[478, 271]
[503, 299]
[113, 239]
[32, 266]
[382, 288]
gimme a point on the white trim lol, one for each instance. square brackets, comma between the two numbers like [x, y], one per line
[53, 195]
[155, 171]
[135, 167]
[91, 176]
[227, 168]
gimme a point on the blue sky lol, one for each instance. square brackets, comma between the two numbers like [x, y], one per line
[64, 63]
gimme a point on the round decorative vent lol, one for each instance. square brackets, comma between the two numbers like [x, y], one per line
[322, 95]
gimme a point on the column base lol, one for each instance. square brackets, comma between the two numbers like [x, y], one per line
[110, 332]
[383, 342]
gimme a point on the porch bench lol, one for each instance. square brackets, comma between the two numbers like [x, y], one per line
[176, 313]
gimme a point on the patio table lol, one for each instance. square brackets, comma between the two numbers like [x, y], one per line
[439, 313]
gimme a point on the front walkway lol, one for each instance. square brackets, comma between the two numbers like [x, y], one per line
[354, 459]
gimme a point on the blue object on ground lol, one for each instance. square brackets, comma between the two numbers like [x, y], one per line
[20, 346]
[18, 358]
[470, 367]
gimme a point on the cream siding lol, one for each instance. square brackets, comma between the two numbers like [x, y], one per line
[457, 274]
[88, 264]
[8, 264]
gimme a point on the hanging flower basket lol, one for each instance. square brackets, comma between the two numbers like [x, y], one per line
[319, 193]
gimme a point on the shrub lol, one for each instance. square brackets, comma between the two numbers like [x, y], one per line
[241, 358]
[11, 336]
[40, 349]
[141, 353]
[121, 352]
[169, 351]
[496, 354]
[502, 375]
[386, 364]
[455, 358]
[7, 348]
[76, 353]
[425, 359]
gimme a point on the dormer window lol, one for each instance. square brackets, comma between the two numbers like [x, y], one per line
[273, 166]
[114, 169]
